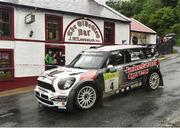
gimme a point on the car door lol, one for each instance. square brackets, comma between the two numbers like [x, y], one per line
[133, 71]
[113, 71]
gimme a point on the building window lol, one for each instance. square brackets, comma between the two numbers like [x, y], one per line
[53, 28]
[109, 32]
[6, 65]
[55, 56]
[135, 40]
[6, 22]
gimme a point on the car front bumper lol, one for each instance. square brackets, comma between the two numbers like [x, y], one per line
[50, 99]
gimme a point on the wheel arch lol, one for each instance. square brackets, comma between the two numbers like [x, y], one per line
[73, 92]
[155, 70]
[91, 83]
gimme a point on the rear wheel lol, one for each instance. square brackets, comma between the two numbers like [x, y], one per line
[86, 97]
[153, 81]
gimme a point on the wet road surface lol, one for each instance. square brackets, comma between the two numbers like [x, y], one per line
[137, 108]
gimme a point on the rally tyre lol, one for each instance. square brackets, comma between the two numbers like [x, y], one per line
[86, 97]
[153, 81]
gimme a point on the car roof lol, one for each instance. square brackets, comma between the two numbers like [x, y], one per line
[115, 48]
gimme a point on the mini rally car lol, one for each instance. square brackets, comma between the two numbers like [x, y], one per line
[96, 73]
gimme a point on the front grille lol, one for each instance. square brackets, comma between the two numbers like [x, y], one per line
[46, 86]
[44, 96]
[37, 93]
[44, 101]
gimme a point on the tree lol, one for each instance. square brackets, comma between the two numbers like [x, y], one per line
[170, 3]
[126, 9]
[149, 8]
[161, 15]
[162, 20]
[123, 7]
[137, 6]
[177, 12]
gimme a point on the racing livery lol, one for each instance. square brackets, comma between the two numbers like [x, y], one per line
[96, 73]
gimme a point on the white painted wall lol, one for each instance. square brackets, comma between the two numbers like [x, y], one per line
[7, 44]
[22, 30]
[151, 38]
[122, 33]
[29, 58]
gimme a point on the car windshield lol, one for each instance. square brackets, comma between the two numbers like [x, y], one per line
[89, 60]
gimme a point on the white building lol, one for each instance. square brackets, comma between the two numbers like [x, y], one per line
[31, 28]
[141, 34]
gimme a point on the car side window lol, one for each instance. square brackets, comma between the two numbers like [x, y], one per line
[133, 55]
[116, 58]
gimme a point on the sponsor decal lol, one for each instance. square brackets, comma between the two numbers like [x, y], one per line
[134, 75]
[83, 31]
[89, 75]
[140, 70]
[111, 81]
[108, 76]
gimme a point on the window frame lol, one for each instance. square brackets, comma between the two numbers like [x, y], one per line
[11, 11]
[112, 25]
[112, 53]
[11, 68]
[54, 47]
[58, 18]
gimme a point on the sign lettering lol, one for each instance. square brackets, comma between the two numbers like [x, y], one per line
[83, 31]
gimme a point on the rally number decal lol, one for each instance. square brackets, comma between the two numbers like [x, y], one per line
[111, 81]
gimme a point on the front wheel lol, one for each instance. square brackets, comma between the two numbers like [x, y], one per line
[153, 81]
[86, 97]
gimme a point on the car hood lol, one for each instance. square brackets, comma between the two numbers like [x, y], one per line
[64, 72]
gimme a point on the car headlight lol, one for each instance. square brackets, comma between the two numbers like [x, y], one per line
[66, 83]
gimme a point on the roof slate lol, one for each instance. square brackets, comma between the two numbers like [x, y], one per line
[82, 7]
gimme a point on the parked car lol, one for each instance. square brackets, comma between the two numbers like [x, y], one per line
[98, 72]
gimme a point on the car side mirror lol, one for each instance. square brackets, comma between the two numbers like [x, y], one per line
[110, 69]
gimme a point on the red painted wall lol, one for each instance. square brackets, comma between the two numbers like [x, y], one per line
[18, 83]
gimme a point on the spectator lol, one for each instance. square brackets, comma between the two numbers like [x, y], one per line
[60, 59]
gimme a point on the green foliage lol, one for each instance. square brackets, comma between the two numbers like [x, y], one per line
[161, 15]
[176, 29]
[162, 19]
[137, 6]
[178, 42]
[177, 12]
[5, 75]
[171, 3]
[126, 9]
[121, 6]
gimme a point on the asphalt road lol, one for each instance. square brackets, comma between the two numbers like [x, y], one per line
[137, 108]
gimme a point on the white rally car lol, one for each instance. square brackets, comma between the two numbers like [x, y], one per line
[98, 72]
